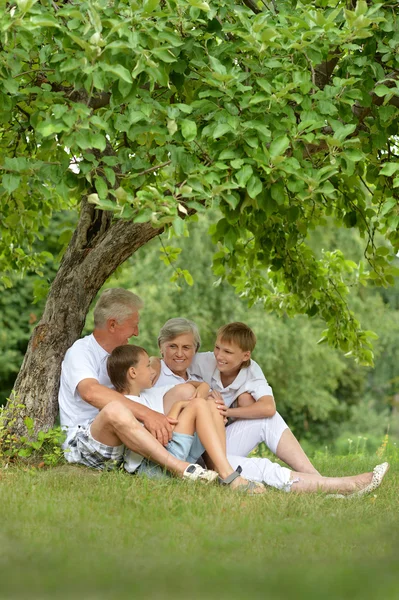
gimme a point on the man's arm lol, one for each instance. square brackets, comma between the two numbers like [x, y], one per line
[99, 396]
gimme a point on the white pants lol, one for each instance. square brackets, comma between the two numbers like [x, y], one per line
[244, 435]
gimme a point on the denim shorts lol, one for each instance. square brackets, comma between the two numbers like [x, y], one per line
[182, 446]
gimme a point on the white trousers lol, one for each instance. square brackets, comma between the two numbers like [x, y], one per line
[244, 435]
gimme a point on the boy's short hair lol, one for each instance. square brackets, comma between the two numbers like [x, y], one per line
[119, 362]
[240, 334]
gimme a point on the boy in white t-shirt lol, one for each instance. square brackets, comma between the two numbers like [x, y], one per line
[131, 373]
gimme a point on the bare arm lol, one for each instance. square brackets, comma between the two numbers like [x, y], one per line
[156, 365]
[247, 407]
[202, 389]
[264, 407]
[177, 408]
[99, 396]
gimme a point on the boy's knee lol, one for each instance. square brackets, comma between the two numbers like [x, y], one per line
[185, 391]
[199, 402]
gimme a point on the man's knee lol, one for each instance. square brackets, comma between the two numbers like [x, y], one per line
[115, 414]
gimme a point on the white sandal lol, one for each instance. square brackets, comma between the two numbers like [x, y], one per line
[195, 472]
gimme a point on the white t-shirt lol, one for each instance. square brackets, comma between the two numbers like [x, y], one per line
[153, 398]
[85, 359]
[249, 379]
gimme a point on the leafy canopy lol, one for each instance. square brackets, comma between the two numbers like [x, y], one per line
[281, 114]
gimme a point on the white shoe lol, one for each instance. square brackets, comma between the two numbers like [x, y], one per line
[195, 472]
[378, 475]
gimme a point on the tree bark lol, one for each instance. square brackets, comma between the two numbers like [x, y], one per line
[98, 246]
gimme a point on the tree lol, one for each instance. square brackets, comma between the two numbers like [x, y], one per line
[142, 113]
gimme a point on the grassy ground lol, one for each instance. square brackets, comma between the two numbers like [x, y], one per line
[68, 532]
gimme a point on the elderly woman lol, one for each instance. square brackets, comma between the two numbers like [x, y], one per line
[257, 421]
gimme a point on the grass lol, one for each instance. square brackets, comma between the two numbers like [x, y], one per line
[69, 532]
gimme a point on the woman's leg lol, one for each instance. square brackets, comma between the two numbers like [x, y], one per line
[197, 416]
[274, 475]
[306, 482]
[290, 451]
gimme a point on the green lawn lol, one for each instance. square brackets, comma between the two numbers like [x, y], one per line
[68, 532]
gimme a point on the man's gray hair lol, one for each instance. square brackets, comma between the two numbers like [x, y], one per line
[115, 303]
[178, 326]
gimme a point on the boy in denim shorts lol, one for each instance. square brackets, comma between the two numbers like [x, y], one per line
[199, 427]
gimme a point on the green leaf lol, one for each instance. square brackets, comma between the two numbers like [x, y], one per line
[279, 146]
[119, 71]
[28, 423]
[243, 175]
[151, 5]
[221, 129]
[254, 186]
[11, 85]
[187, 277]
[10, 182]
[389, 169]
[382, 90]
[43, 21]
[164, 55]
[327, 108]
[97, 140]
[217, 66]
[178, 226]
[200, 4]
[185, 108]
[188, 129]
[101, 187]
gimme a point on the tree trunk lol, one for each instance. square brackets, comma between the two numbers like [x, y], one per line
[99, 245]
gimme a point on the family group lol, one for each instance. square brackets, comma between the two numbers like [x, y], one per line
[191, 414]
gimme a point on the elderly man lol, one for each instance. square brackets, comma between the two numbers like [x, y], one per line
[100, 422]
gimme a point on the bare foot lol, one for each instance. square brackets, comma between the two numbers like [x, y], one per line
[250, 487]
[363, 480]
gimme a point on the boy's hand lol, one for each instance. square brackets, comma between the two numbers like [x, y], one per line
[219, 402]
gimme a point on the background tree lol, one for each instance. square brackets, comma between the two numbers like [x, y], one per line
[281, 116]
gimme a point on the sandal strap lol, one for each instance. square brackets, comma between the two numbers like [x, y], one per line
[231, 477]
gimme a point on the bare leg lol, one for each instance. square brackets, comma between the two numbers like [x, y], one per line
[197, 416]
[312, 483]
[116, 425]
[218, 421]
[179, 392]
[290, 451]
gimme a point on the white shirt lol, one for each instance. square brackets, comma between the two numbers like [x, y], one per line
[85, 359]
[249, 379]
[167, 377]
[153, 398]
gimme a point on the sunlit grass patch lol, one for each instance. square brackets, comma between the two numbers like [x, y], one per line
[74, 532]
